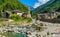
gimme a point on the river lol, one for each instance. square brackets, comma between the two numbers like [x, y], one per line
[12, 34]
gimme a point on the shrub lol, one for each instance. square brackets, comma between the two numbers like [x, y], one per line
[48, 33]
[33, 25]
[2, 19]
[58, 16]
[15, 17]
[41, 24]
[27, 19]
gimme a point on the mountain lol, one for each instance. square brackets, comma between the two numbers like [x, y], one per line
[31, 8]
[52, 5]
[12, 5]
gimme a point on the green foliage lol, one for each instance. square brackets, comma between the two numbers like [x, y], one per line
[2, 19]
[34, 15]
[50, 6]
[15, 17]
[41, 24]
[12, 5]
[27, 19]
[48, 33]
[58, 16]
[33, 25]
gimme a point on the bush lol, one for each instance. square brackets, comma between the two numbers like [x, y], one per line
[48, 33]
[41, 24]
[27, 19]
[33, 25]
[15, 17]
[2, 19]
[58, 16]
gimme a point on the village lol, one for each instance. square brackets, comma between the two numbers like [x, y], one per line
[49, 17]
[29, 18]
[36, 27]
[8, 13]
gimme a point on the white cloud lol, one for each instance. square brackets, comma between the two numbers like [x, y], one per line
[40, 2]
[36, 5]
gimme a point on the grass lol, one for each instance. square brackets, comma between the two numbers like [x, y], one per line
[19, 22]
[16, 23]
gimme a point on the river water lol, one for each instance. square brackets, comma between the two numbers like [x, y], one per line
[11, 34]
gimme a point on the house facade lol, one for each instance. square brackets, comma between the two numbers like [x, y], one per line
[6, 14]
[56, 33]
[51, 15]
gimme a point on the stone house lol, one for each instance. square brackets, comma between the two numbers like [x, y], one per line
[17, 12]
[41, 16]
[51, 15]
[55, 33]
[6, 14]
[26, 14]
[23, 14]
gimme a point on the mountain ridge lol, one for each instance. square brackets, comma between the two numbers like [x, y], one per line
[48, 7]
[12, 5]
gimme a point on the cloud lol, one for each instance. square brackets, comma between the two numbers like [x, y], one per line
[40, 2]
[36, 5]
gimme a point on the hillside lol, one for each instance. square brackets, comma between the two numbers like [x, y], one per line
[52, 5]
[12, 5]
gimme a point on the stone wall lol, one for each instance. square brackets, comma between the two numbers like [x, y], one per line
[51, 20]
[51, 15]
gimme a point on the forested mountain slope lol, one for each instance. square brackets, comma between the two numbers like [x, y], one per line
[12, 5]
[52, 5]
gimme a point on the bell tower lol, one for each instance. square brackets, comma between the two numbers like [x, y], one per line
[29, 14]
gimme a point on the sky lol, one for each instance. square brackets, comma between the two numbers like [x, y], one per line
[34, 3]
